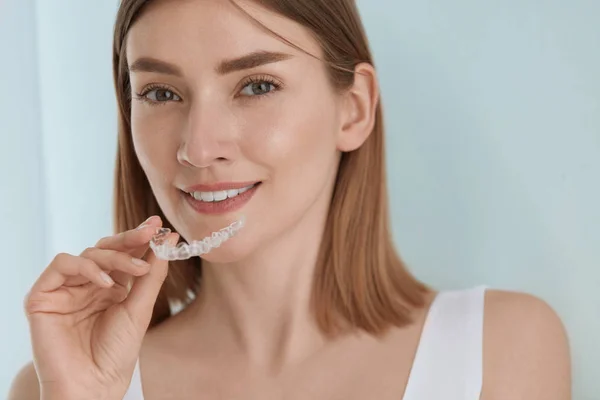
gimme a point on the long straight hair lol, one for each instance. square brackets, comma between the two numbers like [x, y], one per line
[360, 280]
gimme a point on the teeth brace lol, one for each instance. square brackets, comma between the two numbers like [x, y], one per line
[183, 251]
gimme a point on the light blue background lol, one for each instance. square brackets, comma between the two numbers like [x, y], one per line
[493, 116]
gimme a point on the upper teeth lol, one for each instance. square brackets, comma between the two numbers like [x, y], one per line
[219, 195]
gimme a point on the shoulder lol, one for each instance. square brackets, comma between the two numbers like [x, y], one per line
[526, 351]
[25, 386]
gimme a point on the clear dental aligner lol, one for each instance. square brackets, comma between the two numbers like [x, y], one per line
[183, 251]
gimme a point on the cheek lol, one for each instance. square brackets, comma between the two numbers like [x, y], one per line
[290, 130]
[155, 140]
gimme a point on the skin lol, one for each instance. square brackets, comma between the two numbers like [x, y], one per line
[250, 334]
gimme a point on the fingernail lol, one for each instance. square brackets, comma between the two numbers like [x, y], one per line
[174, 239]
[106, 278]
[139, 262]
[145, 223]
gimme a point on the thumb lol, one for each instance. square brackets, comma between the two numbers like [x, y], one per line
[140, 301]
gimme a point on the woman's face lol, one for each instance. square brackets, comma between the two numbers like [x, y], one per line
[219, 105]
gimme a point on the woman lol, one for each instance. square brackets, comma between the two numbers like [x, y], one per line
[275, 104]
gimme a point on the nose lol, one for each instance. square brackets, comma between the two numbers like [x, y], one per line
[207, 139]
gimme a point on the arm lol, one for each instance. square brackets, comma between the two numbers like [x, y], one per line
[526, 351]
[25, 386]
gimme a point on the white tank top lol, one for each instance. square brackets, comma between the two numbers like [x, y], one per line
[449, 359]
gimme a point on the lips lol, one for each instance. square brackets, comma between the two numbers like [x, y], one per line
[220, 198]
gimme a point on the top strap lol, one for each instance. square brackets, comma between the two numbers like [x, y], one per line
[449, 359]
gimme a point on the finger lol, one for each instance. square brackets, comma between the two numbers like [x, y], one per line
[132, 240]
[71, 300]
[66, 266]
[70, 270]
[121, 266]
[142, 297]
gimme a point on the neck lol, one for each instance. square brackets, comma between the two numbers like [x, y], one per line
[261, 308]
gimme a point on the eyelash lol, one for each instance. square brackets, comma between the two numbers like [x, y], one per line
[248, 81]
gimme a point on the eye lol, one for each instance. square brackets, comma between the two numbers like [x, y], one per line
[156, 95]
[259, 88]
[161, 95]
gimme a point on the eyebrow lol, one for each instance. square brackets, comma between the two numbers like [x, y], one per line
[248, 61]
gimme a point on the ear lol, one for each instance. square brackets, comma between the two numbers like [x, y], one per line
[360, 105]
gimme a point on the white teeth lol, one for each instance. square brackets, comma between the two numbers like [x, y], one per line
[219, 195]
[207, 196]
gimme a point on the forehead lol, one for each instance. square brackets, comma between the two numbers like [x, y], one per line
[211, 30]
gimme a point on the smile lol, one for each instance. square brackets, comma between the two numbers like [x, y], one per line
[220, 195]
[220, 198]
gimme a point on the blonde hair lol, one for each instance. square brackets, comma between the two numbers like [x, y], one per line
[360, 280]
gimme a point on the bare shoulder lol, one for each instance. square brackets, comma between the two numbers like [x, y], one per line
[25, 386]
[526, 350]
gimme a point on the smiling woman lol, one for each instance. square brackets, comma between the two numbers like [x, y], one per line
[267, 109]
[247, 138]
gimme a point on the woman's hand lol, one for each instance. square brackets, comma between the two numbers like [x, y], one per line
[86, 326]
